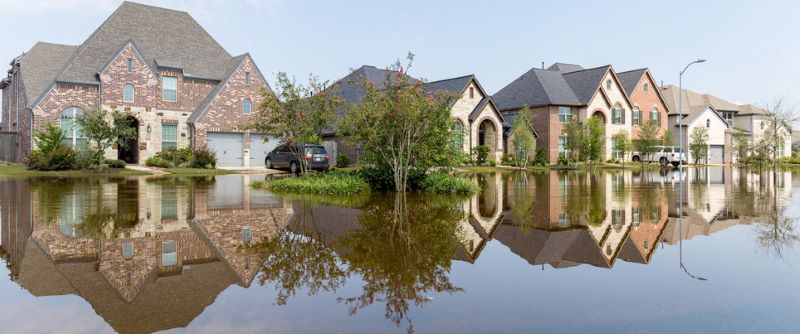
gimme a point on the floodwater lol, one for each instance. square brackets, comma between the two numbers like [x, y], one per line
[705, 250]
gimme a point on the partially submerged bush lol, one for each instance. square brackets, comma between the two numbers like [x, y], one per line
[481, 153]
[322, 184]
[176, 157]
[442, 183]
[204, 158]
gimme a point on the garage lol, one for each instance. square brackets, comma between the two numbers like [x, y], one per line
[228, 147]
[259, 149]
[716, 154]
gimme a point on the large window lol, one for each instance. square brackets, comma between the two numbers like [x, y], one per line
[247, 106]
[457, 131]
[617, 114]
[72, 131]
[169, 253]
[169, 90]
[564, 114]
[169, 136]
[636, 116]
[654, 117]
[127, 93]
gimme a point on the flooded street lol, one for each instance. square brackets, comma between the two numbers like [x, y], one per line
[560, 251]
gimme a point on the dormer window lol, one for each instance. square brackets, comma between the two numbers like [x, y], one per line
[471, 92]
[247, 78]
[130, 65]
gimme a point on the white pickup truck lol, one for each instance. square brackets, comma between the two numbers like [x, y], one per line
[664, 155]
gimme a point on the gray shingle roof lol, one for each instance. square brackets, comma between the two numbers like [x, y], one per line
[629, 79]
[537, 87]
[349, 87]
[585, 83]
[453, 85]
[565, 68]
[40, 66]
[165, 36]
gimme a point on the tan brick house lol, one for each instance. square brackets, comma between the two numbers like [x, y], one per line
[565, 93]
[476, 118]
[180, 86]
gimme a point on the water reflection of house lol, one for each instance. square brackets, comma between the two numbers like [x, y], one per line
[483, 214]
[159, 270]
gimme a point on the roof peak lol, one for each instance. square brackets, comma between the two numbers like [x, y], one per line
[132, 3]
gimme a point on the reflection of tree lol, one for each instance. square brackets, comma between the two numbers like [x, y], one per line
[294, 261]
[777, 234]
[402, 252]
[523, 202]
[586, 201]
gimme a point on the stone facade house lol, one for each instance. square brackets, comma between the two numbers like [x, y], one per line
[566, 93]
[181, 88]
[476, 118]
[648, 104]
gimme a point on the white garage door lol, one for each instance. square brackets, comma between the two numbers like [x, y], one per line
[229, 148]
[716, 154]
[259, 149]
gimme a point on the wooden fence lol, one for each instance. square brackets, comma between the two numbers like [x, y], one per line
[10, 147]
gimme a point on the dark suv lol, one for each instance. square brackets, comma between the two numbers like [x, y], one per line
[316, 157]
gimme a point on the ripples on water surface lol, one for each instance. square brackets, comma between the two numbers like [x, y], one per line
[572, 252]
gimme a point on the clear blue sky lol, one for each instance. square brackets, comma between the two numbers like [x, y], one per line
[751, 46]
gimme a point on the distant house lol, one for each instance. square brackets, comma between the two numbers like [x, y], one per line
[180, 86]
[648, 104]
[476, 118]
[566, 93]
[751, 119]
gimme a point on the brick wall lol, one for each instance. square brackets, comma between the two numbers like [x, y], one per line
[191, 92]
[116, 75]
[60, 98]
[646, 101]
[16, 117]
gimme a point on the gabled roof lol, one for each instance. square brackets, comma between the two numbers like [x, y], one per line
[629, 79]
[586, 82]
[164, 35]
[138, 51]
[235, 63]
[749, 109]
[537, 87]
[40, 65]
[452, 85]
[719, 103]
[696, 111]
[565, 68]
[349, 88]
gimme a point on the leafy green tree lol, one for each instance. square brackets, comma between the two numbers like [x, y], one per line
[698, 143]
[574, 132]
[401, 128]
[48, 139]
[297, 114]
[666, 139]
[741, 145]
[648, 141]
[103, 129]
[622, 144]
[594, 140]
[522, 140]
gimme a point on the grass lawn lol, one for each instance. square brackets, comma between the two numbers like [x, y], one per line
[198, 171]
[17, 170]
[332, 184]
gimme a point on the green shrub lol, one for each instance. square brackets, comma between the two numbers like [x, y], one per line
[791, 160]
[492, 163]
[114, 163]
[58, 158]
[383, 179]
[481, 153]
[87, 158]
[466, 159]
[176, 157]
[442, 183]
[541, 157]
[342, 160]
[332, 183]
[204, 158]
[49, 139]
[507, 159]
[158, 162]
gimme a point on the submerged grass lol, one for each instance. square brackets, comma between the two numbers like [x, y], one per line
[320, 184]
[442, 183]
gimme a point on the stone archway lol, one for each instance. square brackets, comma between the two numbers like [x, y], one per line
[487, 136]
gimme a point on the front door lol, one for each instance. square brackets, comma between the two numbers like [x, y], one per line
[129, 147]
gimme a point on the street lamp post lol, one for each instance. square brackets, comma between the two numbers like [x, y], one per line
[680, 111]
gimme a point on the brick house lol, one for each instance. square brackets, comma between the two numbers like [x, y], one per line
[564, 93]
[648, 104]
[476, 118]
[180, 86]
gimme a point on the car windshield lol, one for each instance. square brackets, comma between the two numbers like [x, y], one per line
[317, 150]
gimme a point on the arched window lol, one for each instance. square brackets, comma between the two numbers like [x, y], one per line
[617, 114]
[654, 117]
[636, 116]
[127, 93]
[247, 106]
[71, 130]
[645, 87]
[457, 130]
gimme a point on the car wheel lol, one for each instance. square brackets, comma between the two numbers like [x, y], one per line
[268, 163]
[636, 158]
[676, 163]
[294, 168]
[663, 162]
